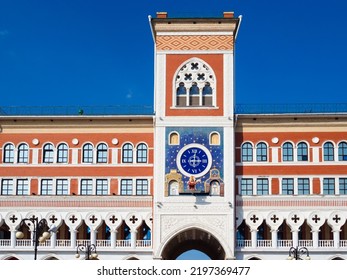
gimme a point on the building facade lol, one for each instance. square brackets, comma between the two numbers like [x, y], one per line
[195, 174]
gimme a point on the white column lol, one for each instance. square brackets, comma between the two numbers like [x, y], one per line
[93, 234]
[274, 238]
[13, 238]
[254, 238]
[133, 233]
[73, 238]
[113, 238]
[295, 238]
[315, 238]
[53, 239]
[336, 234]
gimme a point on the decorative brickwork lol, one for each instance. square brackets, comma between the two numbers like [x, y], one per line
[195, 42]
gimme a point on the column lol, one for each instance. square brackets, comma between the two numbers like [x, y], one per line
[133, 233]
[254, 237]
[93, 234]
[336, 234]
[13, 238]
[315, 238]
[295, 238]
[113, 238]
[73, 238]
[274, 238]
[53, 239]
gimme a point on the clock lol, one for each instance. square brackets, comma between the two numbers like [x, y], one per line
[194, 160]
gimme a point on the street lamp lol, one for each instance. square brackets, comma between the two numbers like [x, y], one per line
[41, 231]
[296, 253]
[89, 251]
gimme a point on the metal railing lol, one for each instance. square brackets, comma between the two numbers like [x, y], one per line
[148, 110]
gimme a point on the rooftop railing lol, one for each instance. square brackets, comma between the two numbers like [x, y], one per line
[148, 110]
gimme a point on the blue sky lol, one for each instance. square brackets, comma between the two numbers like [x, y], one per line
[89, 52]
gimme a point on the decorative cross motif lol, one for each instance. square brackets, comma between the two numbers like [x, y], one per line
[53, 219]
[194, 65]
[73, 219]
[295, 218]
[93, 219]
[274, 218]
[13, 219]
[133, 219]
[201, 76]
[316, 219]
[188, 77]
[113, 219]
[336, 218]
[254, 219]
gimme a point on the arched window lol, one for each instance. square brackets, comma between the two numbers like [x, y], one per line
[48, 153]
[342, 151]
[127, 153]
[141, 153]
[261, 152]
[195, 84]
[87, 153]
[247, 152]
[174, 138]
[23, 153]
[8, 153]
[214, 138]
[62, 153]
[302, 152]
[101, 153]
[328, 151]
[287, 152]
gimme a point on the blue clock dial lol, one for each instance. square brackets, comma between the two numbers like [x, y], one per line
[194, 159]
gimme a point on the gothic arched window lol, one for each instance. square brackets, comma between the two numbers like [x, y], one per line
[195, 85]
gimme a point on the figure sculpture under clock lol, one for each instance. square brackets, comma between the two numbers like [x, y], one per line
[192, 183]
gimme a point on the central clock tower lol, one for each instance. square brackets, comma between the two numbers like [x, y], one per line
[194, 135]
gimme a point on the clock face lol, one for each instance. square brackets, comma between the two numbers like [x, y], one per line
[194, 160]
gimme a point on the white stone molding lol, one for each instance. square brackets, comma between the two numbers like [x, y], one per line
[13, 219]
[254, 219]
[238, 218]
[1, 220]
[93, 220]
[73, 220]
[133, 220]
[149, 220]
[315, 220]
[31, 215]
[295, 220]
[113, 220]
[336, 220]
[274, 219]
[54, 219]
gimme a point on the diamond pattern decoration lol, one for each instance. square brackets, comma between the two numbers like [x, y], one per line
[194, 42]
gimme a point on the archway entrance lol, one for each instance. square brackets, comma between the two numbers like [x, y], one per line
[191, 239]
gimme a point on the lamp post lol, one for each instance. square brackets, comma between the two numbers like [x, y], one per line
[296, 253]
[41, 231]
[89, 251]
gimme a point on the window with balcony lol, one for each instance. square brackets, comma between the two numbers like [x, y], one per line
[328, 186]
[22, 187]
[262, 186]
[6, 186]
[126, 187]
[86, 187]
[102, 187]
[303, 186]
[246, 186]
[287, 186]
[46, 186]
[141, 187]
[343, 186]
